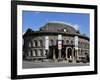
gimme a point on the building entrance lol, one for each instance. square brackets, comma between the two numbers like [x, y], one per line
[69, 53]
[63, 52]
[53, 52]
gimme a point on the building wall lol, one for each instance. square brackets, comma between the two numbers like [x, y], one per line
[33, 47]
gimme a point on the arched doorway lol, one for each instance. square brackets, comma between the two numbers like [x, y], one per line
[63, 52]
[53, 52]
[69, 52]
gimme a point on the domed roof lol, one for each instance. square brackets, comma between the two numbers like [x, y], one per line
[56, 26]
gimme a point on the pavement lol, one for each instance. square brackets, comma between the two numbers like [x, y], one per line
[39, 64]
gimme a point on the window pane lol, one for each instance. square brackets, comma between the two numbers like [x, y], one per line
[40, 43]
[35, 43]
[29, 44]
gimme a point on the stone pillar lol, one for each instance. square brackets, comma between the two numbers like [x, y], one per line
[66, 53]
[73, 54]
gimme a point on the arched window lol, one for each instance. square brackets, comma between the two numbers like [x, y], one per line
[63, 42]
[52, 42]
[79, 45]
[65, 30]
[56, 42]
[83, 44]
[88, 45]
[67, 41]
[71, 41]
[40, 43]
[29, 44]
[35, 43]
[79, 51]
[35, 52]
[40, 52]
[29, 53]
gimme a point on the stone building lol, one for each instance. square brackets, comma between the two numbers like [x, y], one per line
[34, 44]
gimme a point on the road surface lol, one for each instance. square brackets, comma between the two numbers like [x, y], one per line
[30, 64]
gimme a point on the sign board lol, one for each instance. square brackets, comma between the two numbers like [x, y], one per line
[59, 37]
[46, 42]
[59, 41]
[76, 42]
[59, 44]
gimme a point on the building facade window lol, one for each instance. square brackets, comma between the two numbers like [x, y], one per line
[67, 41]
[52, 42]
[65, 30]
[29, 53]
[79, 45]
[63, 42]
[35, 43]
[40, 43]
[72, 42]
[79, 51]
[40, 52]
[35, 52]
[29, 44]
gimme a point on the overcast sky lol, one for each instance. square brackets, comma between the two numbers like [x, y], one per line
[36, 19]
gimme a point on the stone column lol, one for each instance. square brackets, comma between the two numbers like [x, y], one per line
[66, 53]
[72, 54]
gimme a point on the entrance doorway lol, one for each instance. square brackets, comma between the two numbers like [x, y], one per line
[53, 51]
[63, 52]
[69, 52]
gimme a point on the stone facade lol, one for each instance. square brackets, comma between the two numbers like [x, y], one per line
[34, 44]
